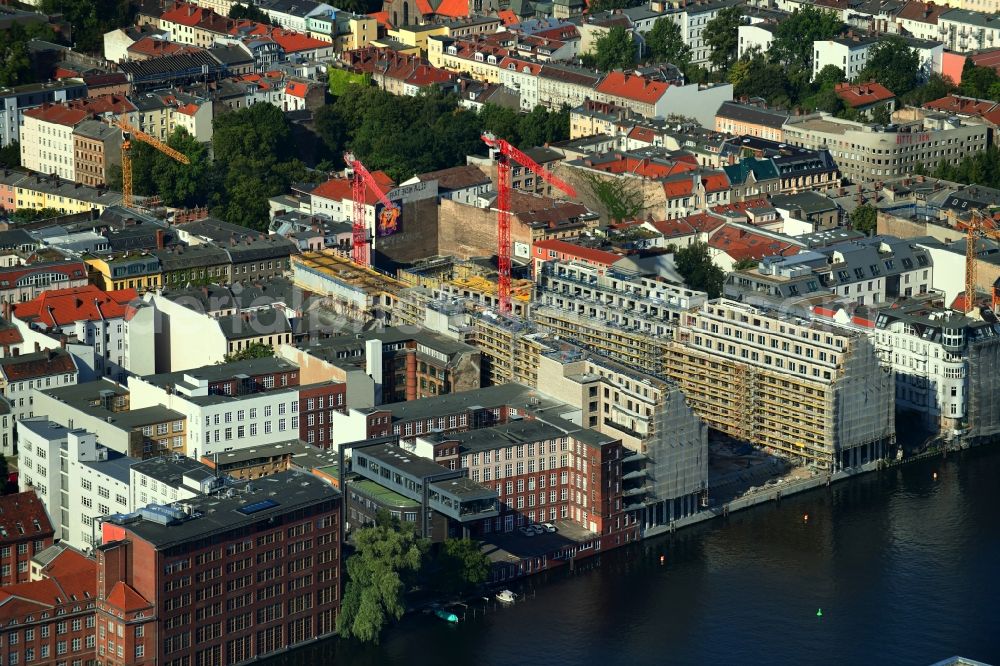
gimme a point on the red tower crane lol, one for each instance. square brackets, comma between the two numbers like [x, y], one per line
[506, 154]
[362, 179]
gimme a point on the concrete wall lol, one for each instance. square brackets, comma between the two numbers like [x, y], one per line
[185, 326]
[360, 390]
[419, 237]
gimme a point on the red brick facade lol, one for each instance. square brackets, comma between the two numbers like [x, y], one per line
[316, 404]
[25, 531]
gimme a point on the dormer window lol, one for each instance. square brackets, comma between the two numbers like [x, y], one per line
[511, 65]
[479, 57]
[492, 60]
[526, 70]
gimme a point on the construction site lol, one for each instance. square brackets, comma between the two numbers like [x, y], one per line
[812, 393]
[355, 292]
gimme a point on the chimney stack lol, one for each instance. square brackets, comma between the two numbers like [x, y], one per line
[160, 235]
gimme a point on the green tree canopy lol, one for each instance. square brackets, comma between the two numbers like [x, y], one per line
[250, 12]
[699, 272]
[253, 350]
[758, 77]
[461, 566]
[383, 560]
[795, 34]
[596, 6]
[721, 35]
[15, 64]
[666, 44]
[10, 155]
[829, 77]
[864, 219]
[91, 19]
[615, 49]
[936, 87]
[894, 64]
[977, 81]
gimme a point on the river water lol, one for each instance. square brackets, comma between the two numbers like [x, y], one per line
[903, 566]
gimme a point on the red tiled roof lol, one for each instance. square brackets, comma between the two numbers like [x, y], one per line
[339, 189]
[926, 12]
[533, 67]
[38, 364]
[679, 188]
[381, 17]
[188, 109]
[632, 86]
[741, 244]
[59, 307]
[195, 16]
[644, 167]
[123, 597]
[57, 114]
[10, 334]
[742, 206]
[153, 47]
[64, 73]
[424, 7]
[715, 182]
[704, 222]
[14, 273]
[296, 89]
[863, 94]
[19, 514]
[508, 17]
[673, 228]
[453, 8]
[968, 106]
[587, 254]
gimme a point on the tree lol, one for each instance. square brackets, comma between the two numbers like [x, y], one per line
[666, 44]
[23, 215]
[864, 219]
[91, 19]
[461, 566]
[253, 350]
[762, 78]
[384, 558]
[699, 272]
[936, 87]
[894, 64]
[15, 63]
[721, 35]
[744, 264]
[597, 6]
[249, 12]
[621, 197]
[829, 77]
[977, 81]
[10, 155]
[794, 36]
[613, 50]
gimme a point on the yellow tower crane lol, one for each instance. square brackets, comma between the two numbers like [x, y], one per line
[129, 133]
[980, 225]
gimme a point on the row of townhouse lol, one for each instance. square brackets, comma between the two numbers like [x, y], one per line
[553, 85]
[21, 190]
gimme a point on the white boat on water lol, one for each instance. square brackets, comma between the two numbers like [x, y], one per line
[506, 596]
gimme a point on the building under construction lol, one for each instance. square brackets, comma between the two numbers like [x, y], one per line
[628, 315]
[812, 392]
[665, 472]
[511, 348]
[356, 292]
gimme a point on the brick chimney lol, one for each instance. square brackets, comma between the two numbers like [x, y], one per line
[160, 235]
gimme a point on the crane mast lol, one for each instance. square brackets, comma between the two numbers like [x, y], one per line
[507, 153]
[361, 180]
[129, 133]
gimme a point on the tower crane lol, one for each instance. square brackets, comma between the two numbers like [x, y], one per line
[506, 154]
[980, 225]
[362, 179]
[129, 133]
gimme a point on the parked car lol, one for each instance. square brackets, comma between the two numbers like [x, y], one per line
[549, 527]
[538, 528]
[527, 531]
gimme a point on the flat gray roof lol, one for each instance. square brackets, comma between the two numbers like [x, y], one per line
[234, 508]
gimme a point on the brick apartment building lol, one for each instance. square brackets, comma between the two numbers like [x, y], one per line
[50, 619]
[25, 531]
[226, 579]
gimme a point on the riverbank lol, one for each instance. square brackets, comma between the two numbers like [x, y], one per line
[901, 562]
